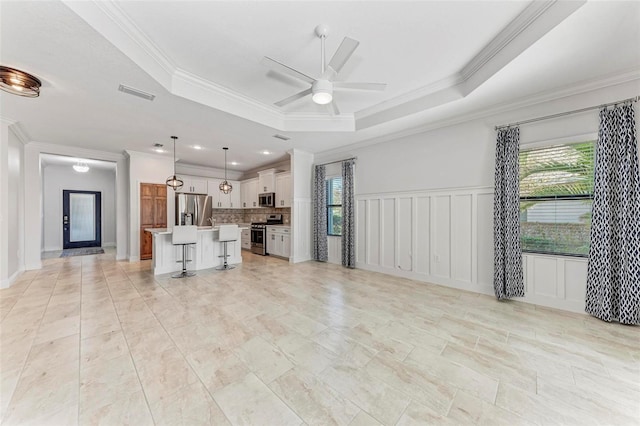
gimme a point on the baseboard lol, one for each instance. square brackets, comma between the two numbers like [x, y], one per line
[300, 259]
[33, 266]
[431, 279]
[134, 258]
[54, 248]
[104, 245]
[6, 283]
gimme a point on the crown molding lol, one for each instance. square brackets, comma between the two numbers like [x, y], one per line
[537, 19]
[73, 151]
[531, 24]
[18, 129]
[583, 87]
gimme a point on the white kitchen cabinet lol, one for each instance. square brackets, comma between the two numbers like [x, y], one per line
[245, 240]
[267, 181]
[249, 193]
[193, 185]
[283, 189]
[279, 241]
[220, 200]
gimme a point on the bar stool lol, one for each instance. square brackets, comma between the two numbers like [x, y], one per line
[184, 236]
[226, 234]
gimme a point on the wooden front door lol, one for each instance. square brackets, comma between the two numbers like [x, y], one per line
[153, 214]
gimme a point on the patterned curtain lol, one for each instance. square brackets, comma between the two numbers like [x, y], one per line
[613, 273]
[320, 251]
[348, 223]
[508, 280]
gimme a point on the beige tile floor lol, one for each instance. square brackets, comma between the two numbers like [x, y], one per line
[88, 340]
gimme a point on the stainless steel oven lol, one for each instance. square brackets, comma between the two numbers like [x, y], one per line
[259, 233]
[258, 238]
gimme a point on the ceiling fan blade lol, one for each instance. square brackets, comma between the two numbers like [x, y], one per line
[342, 55]
[293, 97]
[282, 68]
[359, 86]
[332, 107]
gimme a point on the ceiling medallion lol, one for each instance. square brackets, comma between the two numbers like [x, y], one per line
[19, 82]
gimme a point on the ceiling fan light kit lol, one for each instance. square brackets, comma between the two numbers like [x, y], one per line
[322, 92]
[321, 89]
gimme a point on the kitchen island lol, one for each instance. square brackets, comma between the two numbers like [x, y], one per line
[203, 255]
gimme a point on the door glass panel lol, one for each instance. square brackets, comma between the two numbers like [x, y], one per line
[82, 220]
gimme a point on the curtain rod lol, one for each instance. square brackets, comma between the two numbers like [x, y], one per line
[337, 161]
[547, 117]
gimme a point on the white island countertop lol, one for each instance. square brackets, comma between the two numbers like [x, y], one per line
[204, 254]
[200, 229]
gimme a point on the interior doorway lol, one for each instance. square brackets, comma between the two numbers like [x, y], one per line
[81, 219]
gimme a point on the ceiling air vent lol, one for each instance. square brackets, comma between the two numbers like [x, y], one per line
[136, 92]
[281, 137]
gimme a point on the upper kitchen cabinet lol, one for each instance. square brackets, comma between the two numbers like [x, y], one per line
[220, 200]
[283, 189]
[267, 181]
[249, 190]
[193, 185]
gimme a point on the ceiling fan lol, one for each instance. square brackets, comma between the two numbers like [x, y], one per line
[322, 88]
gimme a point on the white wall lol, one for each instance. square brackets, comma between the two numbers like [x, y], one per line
[146, 168]
[424, 202]
[11, 205]
[57, 178]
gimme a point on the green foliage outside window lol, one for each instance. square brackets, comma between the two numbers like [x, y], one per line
[556, 193]
[334, 206]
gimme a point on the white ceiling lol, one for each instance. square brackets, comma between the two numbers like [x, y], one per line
[202, 61]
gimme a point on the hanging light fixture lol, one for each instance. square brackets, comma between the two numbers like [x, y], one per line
[19, 82]
[225, 186]
[81, 167]
[174, 181]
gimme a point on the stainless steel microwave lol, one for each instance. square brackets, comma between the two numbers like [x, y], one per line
[267, 199]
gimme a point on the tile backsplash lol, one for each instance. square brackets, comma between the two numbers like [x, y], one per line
[250, 215]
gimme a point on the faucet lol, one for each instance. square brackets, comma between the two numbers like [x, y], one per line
[212, 221]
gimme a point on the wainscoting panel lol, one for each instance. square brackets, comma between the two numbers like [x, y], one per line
[404, 248]
[442, 236]
[334, 249]
[373, 232]
[421, 241]
[461, 235]
[484, 238]
[446, 237]
[361, 231]
[555, 281]
[388, 232]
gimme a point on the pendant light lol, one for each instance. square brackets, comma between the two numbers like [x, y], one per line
[174, 181]
[225, 186]
[19, 82]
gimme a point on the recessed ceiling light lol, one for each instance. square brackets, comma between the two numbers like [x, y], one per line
[159, 150]
[234, 163]
[197, 147]
[266, 152]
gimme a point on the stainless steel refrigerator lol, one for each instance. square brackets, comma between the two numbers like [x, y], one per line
[193, 209]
